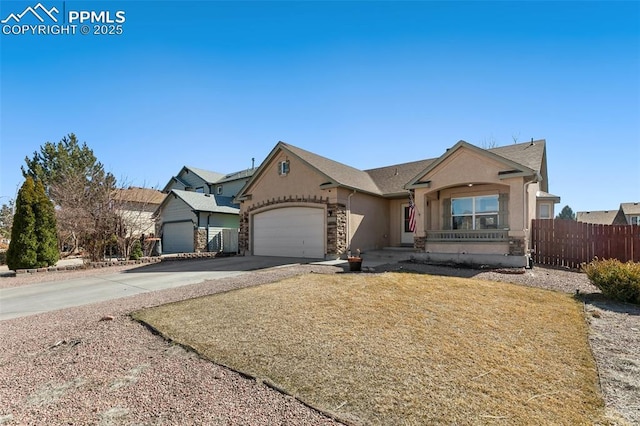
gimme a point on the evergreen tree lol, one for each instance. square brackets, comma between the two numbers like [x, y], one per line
[6, 219]
[23, 248]
[566, 213]
[136, 251]
[34, 242]
[46, 231]
[81, 190]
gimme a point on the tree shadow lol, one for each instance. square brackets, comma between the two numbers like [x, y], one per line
[600, 301]
[462, 271]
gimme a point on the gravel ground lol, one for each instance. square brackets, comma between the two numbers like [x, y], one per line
[79, 366]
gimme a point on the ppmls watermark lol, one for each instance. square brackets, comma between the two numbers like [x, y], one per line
[41, 20]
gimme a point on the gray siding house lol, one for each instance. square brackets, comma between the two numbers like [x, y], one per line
[198, 214]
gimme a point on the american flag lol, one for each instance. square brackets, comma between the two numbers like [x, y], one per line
[412, 215]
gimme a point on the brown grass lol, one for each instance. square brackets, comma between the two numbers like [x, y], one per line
[402, 349]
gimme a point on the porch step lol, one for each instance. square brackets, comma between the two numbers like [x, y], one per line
[387, 255]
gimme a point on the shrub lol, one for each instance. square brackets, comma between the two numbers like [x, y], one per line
[136, 250]
[617, 280]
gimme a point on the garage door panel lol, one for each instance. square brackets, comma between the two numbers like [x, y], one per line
[177, 237]
[291, 231]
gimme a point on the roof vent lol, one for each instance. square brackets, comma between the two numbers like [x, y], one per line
[531, 142]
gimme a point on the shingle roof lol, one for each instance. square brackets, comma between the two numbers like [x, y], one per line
[242, 174]
[630, 208]
[207, 202]
[546, 196]
[206, 175]
[601, 217]
[339, 173]
[140, 195]
[529, 154]
[390, 180]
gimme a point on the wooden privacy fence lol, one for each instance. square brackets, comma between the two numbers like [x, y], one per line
[567, 243]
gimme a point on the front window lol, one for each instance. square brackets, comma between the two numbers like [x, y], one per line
[475, 212]
[545, 211]
[634, 220]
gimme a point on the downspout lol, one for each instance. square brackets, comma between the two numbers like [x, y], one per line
[349, 223]
[525, 222]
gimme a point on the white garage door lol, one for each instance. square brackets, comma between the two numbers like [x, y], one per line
[177, 237]
[291, 231]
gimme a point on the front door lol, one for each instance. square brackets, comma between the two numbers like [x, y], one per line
[406, 235]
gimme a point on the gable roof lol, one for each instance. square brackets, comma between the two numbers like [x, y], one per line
[242, 174]
[524, 158]
[337, 174]
[206, 175]
[529, 154]
[200, 202]
[599, 217]
[630, 208]
[211, 178]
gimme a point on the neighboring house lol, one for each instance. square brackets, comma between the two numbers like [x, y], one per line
[198, 213]
[627, 214]
[471, 204]
[136, 207]
[631, 213]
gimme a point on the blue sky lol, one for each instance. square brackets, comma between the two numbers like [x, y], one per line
[215, 84]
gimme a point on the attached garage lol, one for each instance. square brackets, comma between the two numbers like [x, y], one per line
[290, 232]
[177, 237]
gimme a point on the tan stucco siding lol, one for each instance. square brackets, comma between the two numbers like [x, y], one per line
[396, 221]
[463, 167]
[467, 247]
[300, 181]
[368, 220]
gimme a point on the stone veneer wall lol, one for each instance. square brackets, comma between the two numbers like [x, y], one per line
[336, 230]
[420, 243]
[200, 240]
[336, 222]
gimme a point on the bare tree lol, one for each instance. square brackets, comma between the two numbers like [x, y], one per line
[488, 143]
[135, 207]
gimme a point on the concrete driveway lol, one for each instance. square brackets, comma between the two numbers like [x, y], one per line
[50, 296]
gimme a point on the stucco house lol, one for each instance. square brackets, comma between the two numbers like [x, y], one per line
[626, 214]
[470, 205]
[198, 213]
[135, 207]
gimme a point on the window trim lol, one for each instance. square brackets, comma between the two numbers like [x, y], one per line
[284, 168]
[549, 214]
[474, 213]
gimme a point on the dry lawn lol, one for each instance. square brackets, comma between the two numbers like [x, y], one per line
[401, 349]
